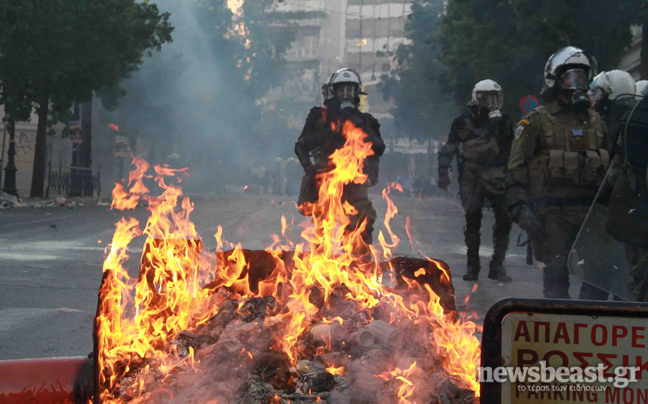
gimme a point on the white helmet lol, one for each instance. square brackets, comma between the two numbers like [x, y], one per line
[488, 94]
[344, 85]
[345, 75]
[640, 86]
[570, 60]
[613, 84]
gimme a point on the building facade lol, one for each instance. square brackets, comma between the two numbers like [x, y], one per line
[359, 34]
[632, 57]
[59, 152]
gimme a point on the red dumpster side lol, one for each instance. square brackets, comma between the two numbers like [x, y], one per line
[46, 381]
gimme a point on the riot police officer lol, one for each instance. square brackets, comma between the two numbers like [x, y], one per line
[485, 137]
[319, 139]
[639, 87]
[627, 194]
[613, 95]
[558, 160]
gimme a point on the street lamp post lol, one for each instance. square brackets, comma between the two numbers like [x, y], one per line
[10, 170]
[4, 144]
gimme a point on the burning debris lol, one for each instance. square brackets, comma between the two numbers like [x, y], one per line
[299, 322]
[353, 358]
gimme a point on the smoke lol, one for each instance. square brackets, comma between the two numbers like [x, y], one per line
[183, 108]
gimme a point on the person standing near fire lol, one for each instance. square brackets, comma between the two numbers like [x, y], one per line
[558, 161]
[481, 140]
[319, 139]
[613, 95]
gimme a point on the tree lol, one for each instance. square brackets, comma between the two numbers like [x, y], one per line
[509, 41]
[421, 107]
[63, 50]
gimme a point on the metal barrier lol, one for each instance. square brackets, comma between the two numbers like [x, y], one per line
[73, 181]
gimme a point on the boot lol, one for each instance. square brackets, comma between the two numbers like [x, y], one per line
[497, 271]
[472, 244]
[472, 274]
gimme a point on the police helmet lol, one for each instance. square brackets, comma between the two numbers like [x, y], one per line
[488, 94]
[611, 84]
[344, 85]
[569, 68]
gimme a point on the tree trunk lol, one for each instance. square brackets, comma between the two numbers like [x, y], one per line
[86, 147]
[10, 169]
[643, 67]
[40, 152]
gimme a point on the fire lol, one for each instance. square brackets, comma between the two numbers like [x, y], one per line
[407, 387]
[336, 371]
[142, 320]
[236, 6]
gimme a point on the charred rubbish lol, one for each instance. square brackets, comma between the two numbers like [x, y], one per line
[296, 322]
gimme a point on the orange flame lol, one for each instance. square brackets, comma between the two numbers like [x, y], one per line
[175, 289]
[407, 387]
[336, 371]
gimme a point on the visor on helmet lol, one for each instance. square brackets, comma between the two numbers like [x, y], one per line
[574, 79]
[346, 91]
[490, 99]
[596, 94]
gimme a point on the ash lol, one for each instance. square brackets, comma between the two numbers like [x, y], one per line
[345, 355]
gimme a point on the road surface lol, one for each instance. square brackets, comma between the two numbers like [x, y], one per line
[51, 260]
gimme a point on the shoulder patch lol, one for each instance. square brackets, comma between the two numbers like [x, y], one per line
[520, 129]
[524, 122]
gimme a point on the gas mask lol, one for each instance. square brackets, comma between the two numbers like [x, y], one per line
[494, 114]
[573, 86]
[347, 104]
[577, 100]
[490, 101]
[346, 95]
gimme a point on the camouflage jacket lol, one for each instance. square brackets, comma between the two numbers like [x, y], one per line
[557, 153]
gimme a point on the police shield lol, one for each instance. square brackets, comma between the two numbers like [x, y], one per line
[597, 258]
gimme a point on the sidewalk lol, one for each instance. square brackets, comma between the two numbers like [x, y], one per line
[9, 201]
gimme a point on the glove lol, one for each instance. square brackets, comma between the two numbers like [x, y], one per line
[444, 180]
[310, 170]
[527, 220]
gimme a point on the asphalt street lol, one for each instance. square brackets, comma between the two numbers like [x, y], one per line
[51, 260]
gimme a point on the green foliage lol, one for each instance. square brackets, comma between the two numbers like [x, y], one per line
[510, 41]
[66, 49]
[56, 52]
[422, 110]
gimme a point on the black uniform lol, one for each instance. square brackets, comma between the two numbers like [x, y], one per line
[628, 199]
[611, 112]
[319, 140]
